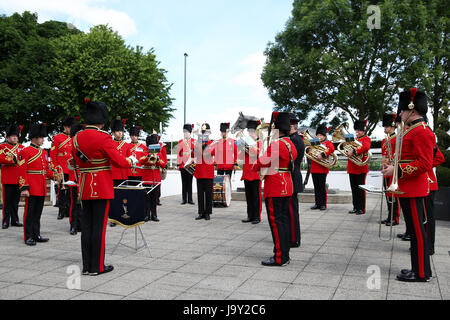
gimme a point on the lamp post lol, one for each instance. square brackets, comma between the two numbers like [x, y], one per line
[185, 56]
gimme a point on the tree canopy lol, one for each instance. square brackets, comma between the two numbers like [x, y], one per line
[327, 61]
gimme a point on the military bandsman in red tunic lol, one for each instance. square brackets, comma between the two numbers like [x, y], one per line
[95, 152]
[185, 153]
[34, 170]
[9, 151]
[415, 162]
[278, 187]
[226, 152]
[138, 150]
[358, 173]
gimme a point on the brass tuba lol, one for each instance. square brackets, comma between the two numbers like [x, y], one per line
[314, 148]
[350, 143]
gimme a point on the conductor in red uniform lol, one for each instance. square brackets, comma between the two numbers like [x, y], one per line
[358, 173]
[184, 153]
[9, 151]
[414, 165]
[60, 152]
[278, 187]
[34, 170]
[95, 152]
[319, 172]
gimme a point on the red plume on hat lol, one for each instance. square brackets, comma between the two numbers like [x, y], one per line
[258, 122]
[20, 129]
[275, 116]
[87, 100]
[124, 121]
[413, 94]
[328, 129]
[77, 118]
[192, 126]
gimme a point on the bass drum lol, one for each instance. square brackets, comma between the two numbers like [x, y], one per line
[222, 191]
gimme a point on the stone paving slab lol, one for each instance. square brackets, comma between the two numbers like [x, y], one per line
[221, 259]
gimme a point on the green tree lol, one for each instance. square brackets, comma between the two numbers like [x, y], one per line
[327, 60]
[27, 79]
[98, 65]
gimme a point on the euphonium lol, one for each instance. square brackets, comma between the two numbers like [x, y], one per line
[314, 148]
[350, 144]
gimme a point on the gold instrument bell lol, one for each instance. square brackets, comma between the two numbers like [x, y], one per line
[314, 148]
[348, 143]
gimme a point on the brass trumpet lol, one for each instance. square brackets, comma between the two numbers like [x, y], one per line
[58, 170]
[314, 148]
[9, 155]
[348, 144]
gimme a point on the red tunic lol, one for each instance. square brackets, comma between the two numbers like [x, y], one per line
[185, 150]
[138, 150]
[204, 161]
[355, 169]
[60, 151]
[152, 171]
[95, 175]
[249, 159]
[34, 170]
[416, 160]
[10, 169]
[124, 150]
[438, 159]
[318, 168]
[277, 181]
[226, 153]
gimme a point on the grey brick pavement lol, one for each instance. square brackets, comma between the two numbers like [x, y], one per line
[220, 259]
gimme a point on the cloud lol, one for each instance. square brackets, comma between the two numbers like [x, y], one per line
[251, 75]
[78, 12]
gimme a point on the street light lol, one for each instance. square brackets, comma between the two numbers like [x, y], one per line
[185, 56]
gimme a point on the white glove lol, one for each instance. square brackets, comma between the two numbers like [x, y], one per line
[133, 160]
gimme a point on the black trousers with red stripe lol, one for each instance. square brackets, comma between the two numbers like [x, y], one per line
[186, 185]
[414, 213]
[320, 188]
[75, 208]
[278, 216]
[11, 198]
[253, 198]
[430, 226]
[358, 194]
[32, 217]
[294, 219]
[93, 230]
[392, 201]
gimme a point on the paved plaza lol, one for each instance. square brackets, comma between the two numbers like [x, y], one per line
[341, 257]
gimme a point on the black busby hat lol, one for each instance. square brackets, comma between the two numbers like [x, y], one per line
[13, 130]
[117, 125]
[77, 127]
[224, 126]
[252, 124]
[188, 127]
[322, 129]
[38, 130]
[413, 99]
[135, 131]
[282, 121]
[205, 127]
[151, 139]
[96, 112]
[293, 118]
[360, 125]
[68, 121]
[389, 119]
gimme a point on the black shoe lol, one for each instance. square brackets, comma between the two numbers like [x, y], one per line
[5, 225]
[40, 239]
[246, 220]
[106, 269]
[159, 203]
[191, 202]
[154, 218]
[353, 211]
[411, 277]
[30, 242]
[315, 207]
[200, 217]
[60, 216]
[406, 238]
[405, 271]
[112, 224]
[147, 218]
[401, 235]
[184, 202]
[323, 208]
[295, 244]
[359, 212]
[272, 263]
[85, 272]
[207, 217]
[394, 223]
[256, 221]
[16, 224]
[73, 231]
[384, 221]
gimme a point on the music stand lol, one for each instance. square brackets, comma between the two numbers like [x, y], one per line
[131, 214]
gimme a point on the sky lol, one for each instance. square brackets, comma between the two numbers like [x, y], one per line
[224, 40]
